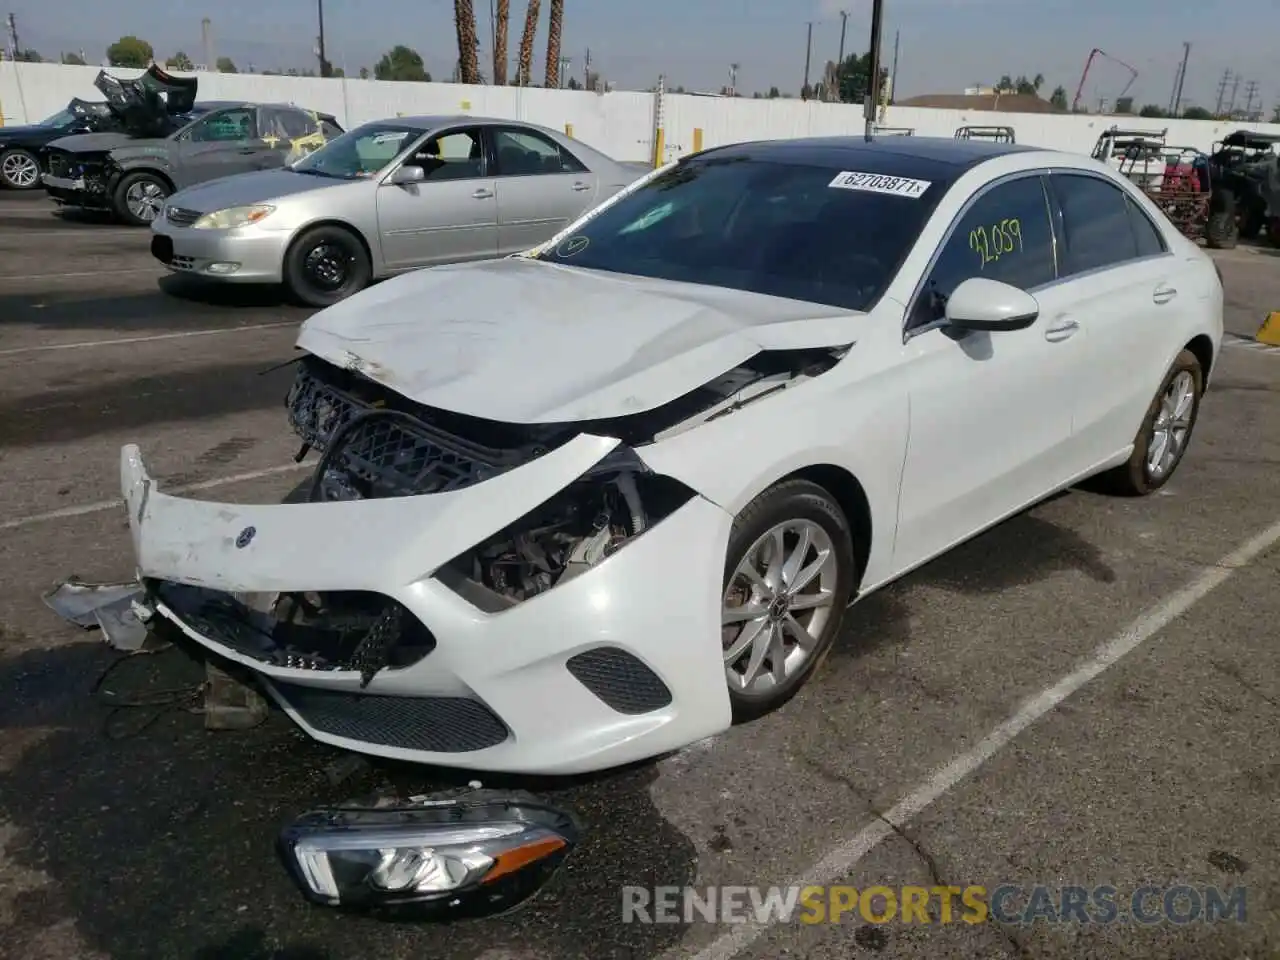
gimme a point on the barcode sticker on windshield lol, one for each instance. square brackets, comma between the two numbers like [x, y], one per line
[879, 183]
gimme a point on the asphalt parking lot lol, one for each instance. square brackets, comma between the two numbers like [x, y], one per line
[139, 834]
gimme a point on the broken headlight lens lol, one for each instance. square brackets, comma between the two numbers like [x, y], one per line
[457, 857]
[233, 217]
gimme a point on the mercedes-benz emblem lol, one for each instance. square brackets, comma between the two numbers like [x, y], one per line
[246, 537]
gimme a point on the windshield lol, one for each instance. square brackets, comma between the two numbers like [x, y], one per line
[359, 154]
[781, 229]
[63, 118]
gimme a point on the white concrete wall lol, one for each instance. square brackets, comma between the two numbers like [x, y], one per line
[619, 123]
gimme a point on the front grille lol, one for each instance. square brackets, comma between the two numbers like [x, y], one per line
[352, 630]
[58, 163]
[181, 217]
[384, 452]
[620, 680]
[434, 724]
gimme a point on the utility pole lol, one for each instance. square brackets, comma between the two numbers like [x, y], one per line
[1173, 94]
[733, 79]
[324, 61]
[808, 55]
[893, 77]
[14, 50]
[1250, 93]
[1182, 79]
[586, 70]
[844, 23]
[1222, 91]
[873, 68]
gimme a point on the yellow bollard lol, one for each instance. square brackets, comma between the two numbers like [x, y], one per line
[1269, 332]
[659, 149]
[697, 139]
[568, 130]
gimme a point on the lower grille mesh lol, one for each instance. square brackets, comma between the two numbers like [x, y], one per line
[620, 680]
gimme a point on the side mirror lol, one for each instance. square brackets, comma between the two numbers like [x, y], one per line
[406, 174]
[982, 304]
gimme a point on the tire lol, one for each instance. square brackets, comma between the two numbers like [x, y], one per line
[1137, 478]
[140, 197]
[19, 170]
[326, 264]
[790, 506]
[1253, 220]
[1222, 232]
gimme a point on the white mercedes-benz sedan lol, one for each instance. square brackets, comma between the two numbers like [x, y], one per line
[591, 503]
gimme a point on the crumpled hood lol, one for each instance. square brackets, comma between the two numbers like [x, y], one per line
[259, 187]
[95, 142]
[524, 341]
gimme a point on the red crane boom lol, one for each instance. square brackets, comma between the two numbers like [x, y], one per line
[1095, 52]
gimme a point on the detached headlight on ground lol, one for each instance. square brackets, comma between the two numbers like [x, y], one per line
[234, 217]
[465, 857]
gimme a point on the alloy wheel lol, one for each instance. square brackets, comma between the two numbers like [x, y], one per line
[777, 604]
[145, 199]
[1172, 425]
[19, 170]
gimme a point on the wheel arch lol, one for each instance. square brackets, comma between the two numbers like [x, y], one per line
[851, 498]
[1202, 347]
[158, 173]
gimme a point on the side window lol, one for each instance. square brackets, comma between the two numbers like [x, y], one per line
[329, 130]
[523, 153]
[225, 126]
[286, 124]
[1095, 222]
[1006, 235]
[456, 155]
[1150, 243]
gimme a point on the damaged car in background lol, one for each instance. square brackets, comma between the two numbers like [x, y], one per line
[166, 141]
[589, 504]
[20, 146]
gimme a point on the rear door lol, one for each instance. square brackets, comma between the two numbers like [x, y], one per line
[1122, 280]
[542, 187]
[452, 215]
[220, 144]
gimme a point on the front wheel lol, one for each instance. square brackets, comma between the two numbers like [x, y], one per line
[1165, 432]
[789, 574]
[140, 197]
[325, 265]
[1222, 232]
[19, 169]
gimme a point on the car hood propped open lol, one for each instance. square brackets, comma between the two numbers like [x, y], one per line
[525, 341]
[147, 105]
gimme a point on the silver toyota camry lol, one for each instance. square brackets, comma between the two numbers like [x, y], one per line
[384, 198]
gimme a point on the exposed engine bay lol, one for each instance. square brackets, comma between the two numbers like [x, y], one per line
[375, 443]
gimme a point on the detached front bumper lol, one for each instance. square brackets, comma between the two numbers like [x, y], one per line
[243, 255]
[496, 691]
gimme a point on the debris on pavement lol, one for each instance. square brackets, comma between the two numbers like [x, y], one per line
[230, 704]
[107, 606]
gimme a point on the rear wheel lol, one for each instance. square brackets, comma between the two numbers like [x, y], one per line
[325, 265]
[789, 574]
[1252, 220]
[1165, 432]
[19, 169]
[140, 197]
[1222, 232]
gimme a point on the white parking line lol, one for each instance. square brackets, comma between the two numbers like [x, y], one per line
[108, 272]
[838, 864]
[101, 505]
[180, 335]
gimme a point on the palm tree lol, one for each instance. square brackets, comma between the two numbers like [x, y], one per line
[553, 43]
[502, 18]
[525, 67]
[464, 19]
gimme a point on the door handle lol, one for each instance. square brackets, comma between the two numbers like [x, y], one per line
[1063, 329]
[1163, 294]
[482, 194]
[580, 186]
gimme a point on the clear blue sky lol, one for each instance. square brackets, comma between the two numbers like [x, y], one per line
[946, 44]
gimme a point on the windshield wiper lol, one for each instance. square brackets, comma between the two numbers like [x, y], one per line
[312, 172]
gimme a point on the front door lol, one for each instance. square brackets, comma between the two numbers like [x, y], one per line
[542, 188]
[991, 413]
[451, 215]
[220, 144]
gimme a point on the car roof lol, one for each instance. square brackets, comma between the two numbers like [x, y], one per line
[924, 158]
[208, 105]
[431, 121]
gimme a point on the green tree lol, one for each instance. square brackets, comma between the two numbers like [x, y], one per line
[179, 61]
[573, 84]
[1005, 84]
[29, 56]
[402, 63]
[227, 65]
[364, 73]
[1151, 110]
[1196, 113]
[1030, 88]
[130, 52]
[1058, 99]
[73, 59]
[853, 76]
[774, 93]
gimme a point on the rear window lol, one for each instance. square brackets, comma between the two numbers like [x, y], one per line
[781, 229]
